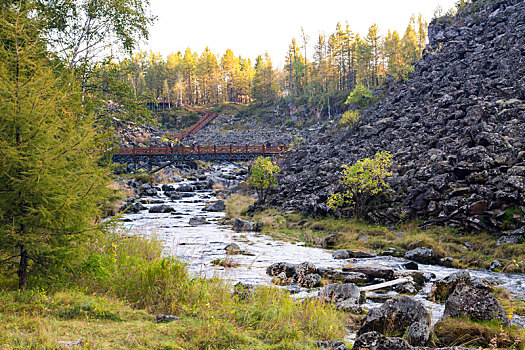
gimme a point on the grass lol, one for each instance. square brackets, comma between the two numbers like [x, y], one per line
[464, 332]
[445, 241]
[108, 295]
[237, 205]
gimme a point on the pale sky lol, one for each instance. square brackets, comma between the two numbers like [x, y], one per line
[251, 28]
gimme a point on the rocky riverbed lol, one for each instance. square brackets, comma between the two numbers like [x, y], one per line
[189, 220]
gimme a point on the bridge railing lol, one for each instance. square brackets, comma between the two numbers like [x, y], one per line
[183, 150]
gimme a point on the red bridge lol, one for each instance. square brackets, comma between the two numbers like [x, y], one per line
[164, 156]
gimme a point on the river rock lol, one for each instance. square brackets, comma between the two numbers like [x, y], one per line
[173, 195]
[372, 272]
[441, 290]
[422, 256]
[240, 225]
[350, 254]
[377, 341]
[331, 345]
[198, 220]
[418, 334]
[395, 316]
[342, 292]
[280, 267]
[310, 280]
[167, 188]
[148, 190]
[475, 302]
[185, 188]
[495, 264]
[233, 249]
[161, 209]
[132, 207]
[215, 207]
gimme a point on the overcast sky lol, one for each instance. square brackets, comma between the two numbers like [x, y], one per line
[251, 28]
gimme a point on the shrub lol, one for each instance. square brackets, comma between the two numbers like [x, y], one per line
[361, 96]
[363, 182]
[263, 178]
[350, 119]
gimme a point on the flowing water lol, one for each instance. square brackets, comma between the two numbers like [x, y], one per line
[200, 245]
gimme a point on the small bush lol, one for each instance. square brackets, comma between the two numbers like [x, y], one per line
[361, 96]
[350, 119]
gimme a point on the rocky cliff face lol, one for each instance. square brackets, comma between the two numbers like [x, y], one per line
[456, 130]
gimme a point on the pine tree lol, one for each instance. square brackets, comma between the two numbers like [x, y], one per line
[51, 187]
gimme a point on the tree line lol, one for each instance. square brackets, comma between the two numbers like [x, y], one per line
[341, 60]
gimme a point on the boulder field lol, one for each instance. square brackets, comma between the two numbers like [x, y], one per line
[456, 131]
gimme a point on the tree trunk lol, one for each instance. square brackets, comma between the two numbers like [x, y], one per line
[22, 268]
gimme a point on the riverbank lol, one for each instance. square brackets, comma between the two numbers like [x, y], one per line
[110, 295]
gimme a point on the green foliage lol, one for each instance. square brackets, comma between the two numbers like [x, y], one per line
[362, 183]
[262, 177]
[51, 185]
[361, 96]
[297, 142]
[350, 119]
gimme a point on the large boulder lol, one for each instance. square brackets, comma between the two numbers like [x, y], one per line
[418, 334]
[240, 225]
[395, 316]
[337, 292]
[423, 256]
[215, 207]
[476, 302]
[161, 209]
[441, 290]
[198, 220]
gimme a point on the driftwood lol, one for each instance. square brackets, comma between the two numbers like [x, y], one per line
[385, 284]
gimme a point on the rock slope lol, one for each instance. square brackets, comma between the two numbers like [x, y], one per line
[456, 130]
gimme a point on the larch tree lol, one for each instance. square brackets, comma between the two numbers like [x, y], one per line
[51, 187]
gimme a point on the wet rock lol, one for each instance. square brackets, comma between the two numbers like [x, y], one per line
[240, 225]
[310, 280]
[167, 188]
[495, 265]
[372, 272]
[447, 262]
[337, 293]
[422, 256]
[350, 254]
[160, 318]
[420, 278]
[331, 345]
[198, 220]
[215, 207]
[345, 277]
[185, 188]
[409, 288]
[395, 316]
[410, 266]
[392, 252]
[233, 249]
[377, 341]
[151, 201]
[174, 195]
[475, 302]
[281, 267]
[332, 240]
[132, 207]
[161, 209]
[148, 190]
[442, 289]
[418, 334]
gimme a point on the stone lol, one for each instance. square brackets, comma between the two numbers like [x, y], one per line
[215, 207]
[161, 209]
[331, 345]
[422, 256]
[362, 237]
[198, 220]
[377, 341]
[441, 290]
[332, 240]
[281, 267]
[240, 225]
[233, 249]
[395, 316]
[167, 188]
[418, 334]
[410, 266]
[337, 292]
[310, 280]
[160, 318]
[372, 272]
[475, 302]
[495, 264]
[510, 239]
[349, 254]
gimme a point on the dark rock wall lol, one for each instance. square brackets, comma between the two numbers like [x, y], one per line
[456, 130]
